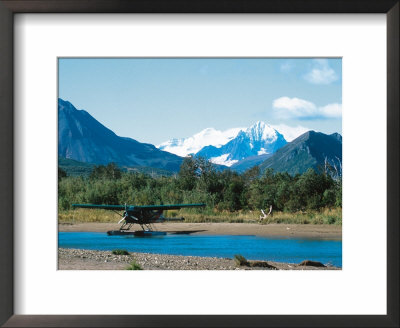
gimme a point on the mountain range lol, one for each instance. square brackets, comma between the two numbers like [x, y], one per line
[258, 139]
[193, 144]
[228, 147]
[82, 138]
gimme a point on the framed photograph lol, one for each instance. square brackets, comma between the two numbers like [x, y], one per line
[159, 112]
[263, 196]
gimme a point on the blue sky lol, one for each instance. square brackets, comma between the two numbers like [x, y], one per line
[156, 99]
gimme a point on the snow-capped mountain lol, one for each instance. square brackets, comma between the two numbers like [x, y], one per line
[258, 139]
[206, 137]
[230, 146]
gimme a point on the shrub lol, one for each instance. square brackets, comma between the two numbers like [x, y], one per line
[134, 266]
[240, 260]
[120, 252]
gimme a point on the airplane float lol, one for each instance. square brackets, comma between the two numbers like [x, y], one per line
[145, 216]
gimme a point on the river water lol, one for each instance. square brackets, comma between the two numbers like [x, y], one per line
[291, 250]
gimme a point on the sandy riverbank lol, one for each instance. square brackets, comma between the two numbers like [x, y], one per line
[79, 259]
[267, 230]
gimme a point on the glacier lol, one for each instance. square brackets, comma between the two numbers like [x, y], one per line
[192, 145]
[229, 146]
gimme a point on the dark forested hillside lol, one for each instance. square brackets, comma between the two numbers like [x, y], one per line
[311, 150]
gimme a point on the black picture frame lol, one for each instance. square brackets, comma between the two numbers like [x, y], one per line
[7, 199]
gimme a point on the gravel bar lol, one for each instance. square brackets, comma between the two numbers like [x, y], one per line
[81, 259]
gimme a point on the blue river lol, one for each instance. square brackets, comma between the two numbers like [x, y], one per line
[289, 250]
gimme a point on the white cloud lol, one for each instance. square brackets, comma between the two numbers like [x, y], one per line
[332, 110]
[294, 107]
[286, 107]
[321, 73]
[290, 132]
[293, 103]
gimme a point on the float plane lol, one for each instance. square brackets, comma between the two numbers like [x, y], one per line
[145, 216]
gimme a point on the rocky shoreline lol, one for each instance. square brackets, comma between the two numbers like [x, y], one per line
[80, 259]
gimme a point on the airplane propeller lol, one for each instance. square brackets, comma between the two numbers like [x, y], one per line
[124, 217]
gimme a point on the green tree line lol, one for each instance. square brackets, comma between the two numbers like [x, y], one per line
[199, 182]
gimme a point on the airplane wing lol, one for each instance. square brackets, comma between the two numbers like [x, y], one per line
[105, 207]
[168, 207]
[144, 207]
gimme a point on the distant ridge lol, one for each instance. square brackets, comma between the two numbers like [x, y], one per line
[249, 162]
[76, 168]
[307, 151]
[81, 137]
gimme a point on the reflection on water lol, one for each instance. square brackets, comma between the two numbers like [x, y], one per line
[251, 247]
